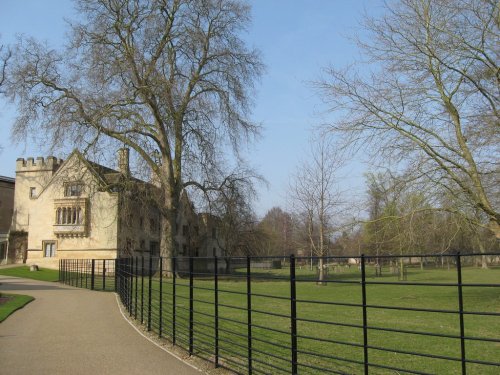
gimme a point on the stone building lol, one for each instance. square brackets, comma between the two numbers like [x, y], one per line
[7, 185]
[77, 209]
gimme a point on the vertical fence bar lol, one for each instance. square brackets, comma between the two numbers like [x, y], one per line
[293, 314]
[135, 272]
[130, 281]
[92, 276]
[160, 312]
[104, 274]
[216, 312]
[142, 289]
[191, 306]
[461, 314]
[174, 271]
[87, 274]
[117, 281]
[150, 284]
[249, 317]
[116, 275]
[365, 325]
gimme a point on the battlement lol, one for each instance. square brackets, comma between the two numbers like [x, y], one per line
[51, 164]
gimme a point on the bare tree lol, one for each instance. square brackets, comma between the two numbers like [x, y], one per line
[237, 224]
[5, 55]
[431, 100]
[171, 78]
[313, 192]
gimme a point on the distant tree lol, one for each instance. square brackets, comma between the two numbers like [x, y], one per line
[237, 229]
[382, 190]
[277, 226]
[171, 79]
[314, 194]
[430, 103]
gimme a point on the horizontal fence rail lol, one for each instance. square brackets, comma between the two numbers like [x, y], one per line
[94, 274]
[431, 314]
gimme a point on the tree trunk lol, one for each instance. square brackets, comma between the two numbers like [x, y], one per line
[484, 260]
[169, 231]
[321, 271]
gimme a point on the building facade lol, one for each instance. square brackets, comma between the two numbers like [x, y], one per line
[77, 209]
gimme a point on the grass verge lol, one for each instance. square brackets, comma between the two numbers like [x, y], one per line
[12, 302]
[330, 319]
[43, 274]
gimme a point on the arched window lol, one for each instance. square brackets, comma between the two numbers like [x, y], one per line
[64, 215]
[70, 215]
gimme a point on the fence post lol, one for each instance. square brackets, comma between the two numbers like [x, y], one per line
[135, 296]
[118, 288]
[365, 325]
[86, 274]
[249, 317]
[142, 289]
[461, 313]
[216, 311]
[104, 274]
[130, 278]
[173, 297]
[116, 275]
[293, 314]
[92, 277]
[160, 313]
[191, 305]
[150, 284]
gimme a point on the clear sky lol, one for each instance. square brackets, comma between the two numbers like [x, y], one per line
[297, 39]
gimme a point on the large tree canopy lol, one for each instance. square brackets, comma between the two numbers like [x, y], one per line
[428, 98]
[172, 77]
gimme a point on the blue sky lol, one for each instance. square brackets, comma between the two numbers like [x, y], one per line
[297, 39]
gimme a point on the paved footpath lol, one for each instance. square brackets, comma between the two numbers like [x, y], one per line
[74, 331]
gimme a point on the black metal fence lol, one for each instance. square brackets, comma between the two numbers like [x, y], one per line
[433, 314]
[94, 274]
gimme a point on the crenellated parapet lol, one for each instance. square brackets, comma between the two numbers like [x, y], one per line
[50, 163]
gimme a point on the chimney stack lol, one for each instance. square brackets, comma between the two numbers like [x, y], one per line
[123, 161]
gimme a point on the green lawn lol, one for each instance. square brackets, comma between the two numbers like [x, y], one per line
[12, 302]
[43, 274]
[319, 324]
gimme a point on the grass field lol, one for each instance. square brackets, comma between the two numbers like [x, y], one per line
[330, 336]
[12, 302]
[43, 274]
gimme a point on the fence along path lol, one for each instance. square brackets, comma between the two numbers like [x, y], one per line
[77, 331]
[269, 315]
